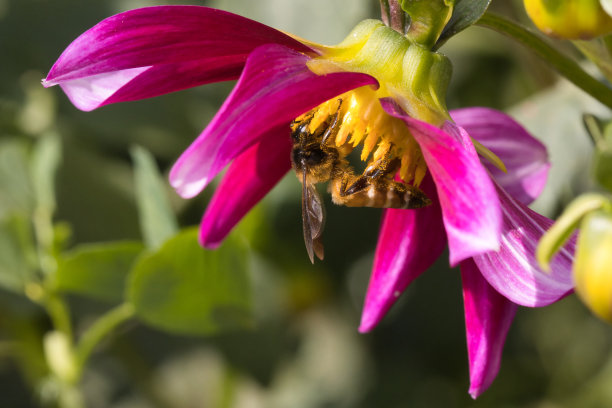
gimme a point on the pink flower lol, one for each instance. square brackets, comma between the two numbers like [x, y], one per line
[478, 210]
[494, 282]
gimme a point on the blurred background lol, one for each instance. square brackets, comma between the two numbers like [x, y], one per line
[303, 348]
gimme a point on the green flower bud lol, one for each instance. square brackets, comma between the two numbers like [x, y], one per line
[569, 19]
[593, 263]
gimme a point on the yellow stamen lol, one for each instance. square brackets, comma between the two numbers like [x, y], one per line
[407, 164]
[420, 172]
[362, 120]
[322, 112]
[368, 145]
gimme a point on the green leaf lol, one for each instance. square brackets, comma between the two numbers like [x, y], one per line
[95, 195]
[186, 289]
[602, 167]
[601, 133]
[46, 158]
[595, 127]
[99, 271]
[16, 193]
[157, 221]
[17, 253]
[465, 13]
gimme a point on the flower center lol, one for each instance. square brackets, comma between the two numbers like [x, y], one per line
[412, 76]
[358, 118]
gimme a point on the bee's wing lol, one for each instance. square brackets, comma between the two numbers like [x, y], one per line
[313, 219]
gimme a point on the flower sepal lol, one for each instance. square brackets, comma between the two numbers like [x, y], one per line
[564, 227]
[421, 22]
[427, 19]
[412, 75]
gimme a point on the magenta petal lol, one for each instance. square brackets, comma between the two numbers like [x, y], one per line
[250, 177]
[488, 316]
[470, 206]
[275, 87]
[525, 157]
[154, 50]
[408, 243]
[513, 271]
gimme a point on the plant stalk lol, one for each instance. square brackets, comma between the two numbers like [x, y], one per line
[564, 65]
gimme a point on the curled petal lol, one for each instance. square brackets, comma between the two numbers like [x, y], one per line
[470, 206]
[408, 243]
[525, 157]
[513, 270]
[488, 316]
[155, 50]
[250, 177]
[275, 87]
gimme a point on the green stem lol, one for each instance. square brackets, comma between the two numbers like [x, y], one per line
[98, 331]
[560, 62]
[59, 313]
[598, 50]
[228, 388]
[393, 16]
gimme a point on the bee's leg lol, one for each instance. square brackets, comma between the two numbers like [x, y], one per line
[382, 168]
[387, 166]
[343, 184]
[304, 121]
[350, 183]
[361, 183]
[333, 127]
[371, 173]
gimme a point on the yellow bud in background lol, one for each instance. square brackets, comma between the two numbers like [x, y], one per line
[593, 263]
[569, 19]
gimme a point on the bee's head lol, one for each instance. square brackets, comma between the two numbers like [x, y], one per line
[299, 132]
[310, 156]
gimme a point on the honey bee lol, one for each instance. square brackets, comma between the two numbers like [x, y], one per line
[316, 159]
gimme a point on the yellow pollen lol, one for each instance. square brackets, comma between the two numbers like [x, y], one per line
[362, 120]
[322, 112]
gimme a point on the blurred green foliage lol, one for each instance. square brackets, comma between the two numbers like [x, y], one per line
[293, 340]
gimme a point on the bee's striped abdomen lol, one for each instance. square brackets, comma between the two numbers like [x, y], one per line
[379, 194]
